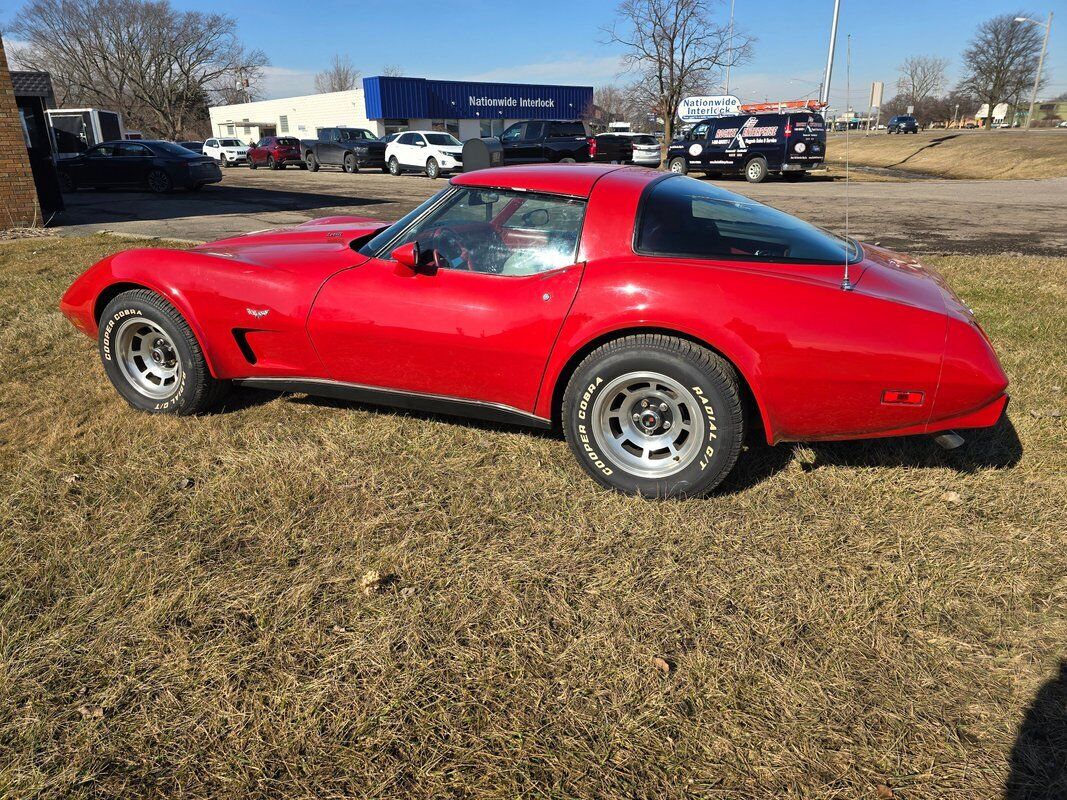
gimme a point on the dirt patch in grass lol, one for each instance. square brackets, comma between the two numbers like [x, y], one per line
[957, 154]
[186, 609]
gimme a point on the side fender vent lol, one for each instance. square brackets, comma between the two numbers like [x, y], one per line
[240, 336]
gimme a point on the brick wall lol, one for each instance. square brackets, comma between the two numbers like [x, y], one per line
[18, 196]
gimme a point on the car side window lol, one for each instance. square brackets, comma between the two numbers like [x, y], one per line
[498, 232]
[407, 138]
[211, 143]
[514, 133]
[534, 131]
[701, 131]
[102, 151]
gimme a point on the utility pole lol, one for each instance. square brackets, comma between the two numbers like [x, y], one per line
[1040, 63]
[825, 96]
[730, 63]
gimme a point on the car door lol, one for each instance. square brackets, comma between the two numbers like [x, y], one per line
[404, 148]
[482, 333]
[511, 140]
[418, 151]
[330, 147]
[132, 162]
[211, 148]
[99, 166]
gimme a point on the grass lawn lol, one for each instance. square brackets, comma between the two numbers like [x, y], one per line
[185, 605]
[1040, 153]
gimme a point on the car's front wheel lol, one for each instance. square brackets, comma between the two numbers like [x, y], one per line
[654, 415]
[66, 182]
[433, 169]
[152, 357]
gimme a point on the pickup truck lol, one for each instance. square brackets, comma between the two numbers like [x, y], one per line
[561, 141]
[347, 148]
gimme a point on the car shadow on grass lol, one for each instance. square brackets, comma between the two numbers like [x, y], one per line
[998, 447]
[1039, 755]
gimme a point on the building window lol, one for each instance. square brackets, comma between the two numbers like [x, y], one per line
[283, 124]
[230, 130]
[395, 125]
[491, 127]
[446, 126]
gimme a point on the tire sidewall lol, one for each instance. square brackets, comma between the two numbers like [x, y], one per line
[682, 164]
[394, 166]
[717, 455]
[122, 309]
[165, 187]
[762, 164]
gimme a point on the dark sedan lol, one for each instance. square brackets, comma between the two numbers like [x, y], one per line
[156, 166]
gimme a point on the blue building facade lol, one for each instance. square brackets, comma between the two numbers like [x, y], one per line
[469, 109]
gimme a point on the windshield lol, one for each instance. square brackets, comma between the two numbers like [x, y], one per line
[682, 216]
[645, 140]
[357, 134]
[230, 143]
[375, 244]
[446, 139]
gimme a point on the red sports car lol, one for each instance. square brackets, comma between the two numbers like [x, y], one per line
[651, 316]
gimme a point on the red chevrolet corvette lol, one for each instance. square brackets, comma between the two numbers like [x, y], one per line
[651, 316]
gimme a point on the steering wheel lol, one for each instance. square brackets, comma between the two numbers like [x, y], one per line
[449, 247]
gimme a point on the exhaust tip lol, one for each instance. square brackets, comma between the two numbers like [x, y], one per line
[949, 440]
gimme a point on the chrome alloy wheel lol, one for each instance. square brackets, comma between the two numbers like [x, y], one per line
[147, 358]
[649, 424]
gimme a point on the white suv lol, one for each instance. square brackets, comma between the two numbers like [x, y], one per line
[228, 152]
[432, 152]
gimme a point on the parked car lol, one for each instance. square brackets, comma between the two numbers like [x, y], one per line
[196, 147]
[276, 152]
[431, 152]
[348, 148]
[1062, 124]
[227, 151]
[753, 145]
[903, 124]
[561, 141]
[646, 148]
[653, 317]
[155, 165]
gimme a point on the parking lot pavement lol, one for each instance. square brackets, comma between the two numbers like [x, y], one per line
[920, 216]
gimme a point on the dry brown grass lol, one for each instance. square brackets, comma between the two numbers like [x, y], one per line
[183, 610]
[1008, 154]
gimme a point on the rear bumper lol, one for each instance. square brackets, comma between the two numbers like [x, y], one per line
[985, 417]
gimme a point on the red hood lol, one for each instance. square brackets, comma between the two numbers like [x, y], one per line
[322, 245]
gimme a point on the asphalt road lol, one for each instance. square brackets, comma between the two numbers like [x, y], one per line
[918, 216]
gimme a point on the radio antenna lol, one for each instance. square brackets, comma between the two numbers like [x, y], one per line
[846, 284]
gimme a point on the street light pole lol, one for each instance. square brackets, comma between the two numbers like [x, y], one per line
[825, 96]
[1040, 63]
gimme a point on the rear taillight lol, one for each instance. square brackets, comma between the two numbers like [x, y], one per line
[592, 146]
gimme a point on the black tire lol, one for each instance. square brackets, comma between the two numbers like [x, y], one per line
[433, 169]
[678, 165]
[393, 166]
[271, 163]
[568, 160]
[194, 391]
[251, 164]
[66, 182]
[756, 170]
[349, 164]
[712, 389]
[311, 162]
[158, 182]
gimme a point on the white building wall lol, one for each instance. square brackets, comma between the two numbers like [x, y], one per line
[302, 115]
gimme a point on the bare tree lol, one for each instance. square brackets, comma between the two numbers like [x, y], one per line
[340, 76]
[392, 70]
[920, 78]
[1001, 61]
[154, 65]
[675, 47]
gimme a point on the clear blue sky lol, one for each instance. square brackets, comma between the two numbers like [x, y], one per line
[557, 41]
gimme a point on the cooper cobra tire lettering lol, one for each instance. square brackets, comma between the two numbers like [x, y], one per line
[714, 401]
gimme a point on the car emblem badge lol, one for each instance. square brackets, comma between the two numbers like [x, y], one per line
[258, 313]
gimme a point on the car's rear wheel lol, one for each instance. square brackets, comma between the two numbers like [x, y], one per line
[756, 170]
[394, 166]
[152, 357]
[350, 166]
[654, 415]
[679, 166]
[567, 160]
[312, 162]
[433, 169]
[158, 181]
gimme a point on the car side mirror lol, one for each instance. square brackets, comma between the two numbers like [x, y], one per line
[411, 258]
